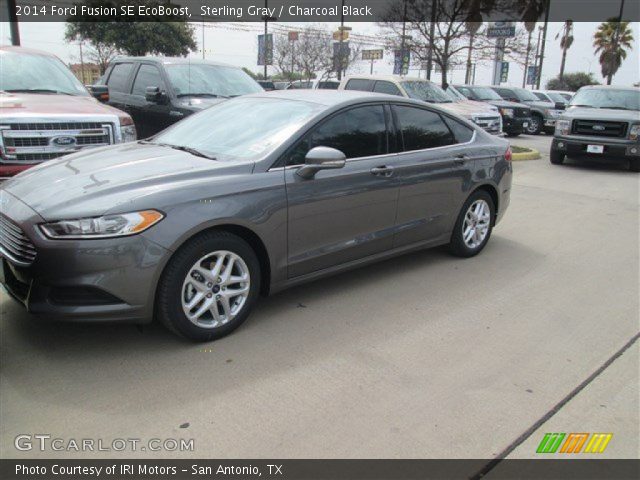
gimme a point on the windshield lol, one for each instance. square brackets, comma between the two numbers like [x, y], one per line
[426, 91]
[525, 95]
[556, 97]
[212, 80]
[607, 98]
[454, 95]
[240, 129]
[21, 72]
[483, 93]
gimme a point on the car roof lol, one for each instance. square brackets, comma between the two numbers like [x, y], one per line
[329, 98]
[29, 51]
[172, 61]
[392, 78]
[610, 87]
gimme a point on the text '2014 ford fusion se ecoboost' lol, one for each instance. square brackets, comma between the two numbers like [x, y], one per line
[249, 197]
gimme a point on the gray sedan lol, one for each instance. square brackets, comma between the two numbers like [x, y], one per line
[246, 198]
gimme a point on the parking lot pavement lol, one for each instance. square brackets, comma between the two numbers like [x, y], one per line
[424, 356]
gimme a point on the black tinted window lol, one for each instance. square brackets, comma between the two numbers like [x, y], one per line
[422, 128]
[119, 77]
[462, 133]
[148, 76]
[359, 84]
[359, 132]
[386, 87]
[503, 92]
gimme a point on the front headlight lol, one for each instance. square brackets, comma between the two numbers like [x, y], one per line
[128, 130]
[507, 112]
[634, 132]
[563, 127]
[118, 225]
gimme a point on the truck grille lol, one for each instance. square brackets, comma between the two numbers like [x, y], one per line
[599, 128]
[489, 124]
[15, 245]
[523, 112]
[35, 142]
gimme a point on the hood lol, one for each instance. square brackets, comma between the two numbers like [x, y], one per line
[541, 104]
[93, 182]
[198, 103]
[468, 108]
[29, 104]
[601, 114]
[507, 104]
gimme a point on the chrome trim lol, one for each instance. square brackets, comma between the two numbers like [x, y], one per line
[4, 253]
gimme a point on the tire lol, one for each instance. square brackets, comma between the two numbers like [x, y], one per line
[535, 125]
[634, 165]
[512, 134]
[458, 246]
[190, 277]
[556, 157]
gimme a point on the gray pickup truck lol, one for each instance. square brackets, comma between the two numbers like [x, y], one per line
[601, 122]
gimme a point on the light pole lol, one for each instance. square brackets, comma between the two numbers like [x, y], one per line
[544, 41]
[340, 41]
[526, 61]
[13, 22]
[432, 33]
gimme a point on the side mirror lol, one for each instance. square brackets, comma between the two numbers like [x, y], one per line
[155, 95]
[100, 92]
[321, 158]
[561, 105]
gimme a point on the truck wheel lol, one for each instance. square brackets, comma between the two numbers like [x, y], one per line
[535, 125]
[556, 157]
[512, 134]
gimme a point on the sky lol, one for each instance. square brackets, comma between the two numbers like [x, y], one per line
[236, 44]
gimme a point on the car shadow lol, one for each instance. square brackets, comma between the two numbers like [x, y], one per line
[595, 164]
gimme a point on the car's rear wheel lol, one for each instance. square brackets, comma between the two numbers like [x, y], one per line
[556, 157]
[209, 286]
[474, 225]
[535, 125]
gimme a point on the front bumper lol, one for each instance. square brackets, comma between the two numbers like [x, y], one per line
[83, 280]
[515, 124]
[621, 150]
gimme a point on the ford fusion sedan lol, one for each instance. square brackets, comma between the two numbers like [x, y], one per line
[249, 197]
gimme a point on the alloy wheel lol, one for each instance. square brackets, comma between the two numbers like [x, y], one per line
[476, 223]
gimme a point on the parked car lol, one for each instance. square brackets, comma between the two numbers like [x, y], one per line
[267, 85]
[280, 85]
[252, 196]
[158, 92]
[45, 112]
[515, 116]
[485, 116]
[565, 94]
[551, 96]
[602, 123]
[543, 114]
[314, 84]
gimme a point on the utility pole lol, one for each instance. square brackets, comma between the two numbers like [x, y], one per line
[340, 41]
[537, 56]
[82, 64]
[264, 43]
[203, 39]
[544, 41]
[404, 29]
[526, 61]
[13, 22]
[432, 34]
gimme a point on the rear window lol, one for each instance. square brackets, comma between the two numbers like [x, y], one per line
[359, 84]
[119, 77]
[422, 129]
[386, 87]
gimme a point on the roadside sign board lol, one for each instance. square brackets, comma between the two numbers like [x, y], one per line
[372, 54]
[504, 72]
[341, 33]
[401, 61]
[532, 74]
[265, 49]
[501, 30]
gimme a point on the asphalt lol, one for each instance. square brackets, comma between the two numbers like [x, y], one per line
[424, 356]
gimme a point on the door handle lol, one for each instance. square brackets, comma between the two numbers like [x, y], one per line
[460, 159]
[382, 171]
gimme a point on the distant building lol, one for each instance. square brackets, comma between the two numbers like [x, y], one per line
[88, 73]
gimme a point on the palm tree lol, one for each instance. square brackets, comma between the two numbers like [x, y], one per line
[612, 40]
[565, 43]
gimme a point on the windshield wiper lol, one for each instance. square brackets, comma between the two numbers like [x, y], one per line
[37, 90]
[182, 148]
[212, 95]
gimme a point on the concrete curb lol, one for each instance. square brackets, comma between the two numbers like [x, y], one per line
[533, 154]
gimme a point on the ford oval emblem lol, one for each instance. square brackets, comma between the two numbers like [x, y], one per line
[63, 141]
[599, 128]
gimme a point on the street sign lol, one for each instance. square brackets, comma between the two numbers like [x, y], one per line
[532, 74]
[504, 72]
[501, 30]
[372, 54]
[341, 33]
[265, 50]
[293, 36]
[401, 61]
[341, 58]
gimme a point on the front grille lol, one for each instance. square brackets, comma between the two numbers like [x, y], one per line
[599, 128]
[35, 142]
[489, 124]
[14, 243]
[523, 112]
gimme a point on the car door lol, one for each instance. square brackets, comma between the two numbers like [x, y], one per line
[149, 117]
[119, 83]
[344, 214]
[430, 171]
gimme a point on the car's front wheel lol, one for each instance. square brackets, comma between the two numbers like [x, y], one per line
[535, 125]
[209, 286]
[557, 158]
[474, 225]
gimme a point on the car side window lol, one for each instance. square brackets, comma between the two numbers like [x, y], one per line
[359, 84]
[382, 86]
[358, 132]
[466, 92]
[503, 92]
[462, 133]
[541, 96]
[147, 76]
[422, 128]
[119, 77]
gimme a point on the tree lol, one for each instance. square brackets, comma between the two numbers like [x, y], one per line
[153, 36]
[571, 81]
[612, 40]
[250, 73]
[565, 43]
